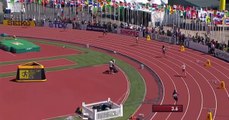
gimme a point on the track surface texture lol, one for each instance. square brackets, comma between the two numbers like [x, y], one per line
[198, 91]
[63, 92]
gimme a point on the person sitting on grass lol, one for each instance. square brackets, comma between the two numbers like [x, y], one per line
[111, 64]
[115, 70]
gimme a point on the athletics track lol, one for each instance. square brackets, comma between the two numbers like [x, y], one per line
[197, 92]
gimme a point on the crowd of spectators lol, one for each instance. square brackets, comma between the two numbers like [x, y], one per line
[180, 37]
[211, 43]
[174, 32]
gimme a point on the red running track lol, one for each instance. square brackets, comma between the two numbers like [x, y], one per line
[197, 92]
[149, 80]
[61, 94]
[46, 51]
[46, 63]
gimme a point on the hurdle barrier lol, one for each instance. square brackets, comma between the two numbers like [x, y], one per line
[209, 116]
[222, 85]
[148, 38]
[208, 63]
[182, 48]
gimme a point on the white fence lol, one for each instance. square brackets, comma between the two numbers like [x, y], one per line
[115, 111]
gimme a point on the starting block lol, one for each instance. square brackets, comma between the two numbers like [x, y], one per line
[148, 38]
[222, 85]
[209, 116]
[182, 48]
[208, 63]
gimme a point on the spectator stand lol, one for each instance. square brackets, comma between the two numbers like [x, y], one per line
[220, 50]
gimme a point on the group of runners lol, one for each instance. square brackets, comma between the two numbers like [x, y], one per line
[112, 68]
[183, 69]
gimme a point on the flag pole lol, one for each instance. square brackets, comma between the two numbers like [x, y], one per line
[220, 33]
[109, 12]
[123, 14]
[199, 21]
[137, 18]
[36, 7]
[88, 11]
[92, 11]
[82, 12]
[70, 10]
[179, 19]
[119, 15]
[39, 12]
[54, 7]
[166, 17]
[202, 26]
[101, 13]
[25, 8]
[44, 7]
[105, 13]
[128, 14]
[185, 24]
[114, 8]
[223, 29]
[97, 11]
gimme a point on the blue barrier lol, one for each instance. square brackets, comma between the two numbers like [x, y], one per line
[57, 24]
[222, 55]
[193, 45]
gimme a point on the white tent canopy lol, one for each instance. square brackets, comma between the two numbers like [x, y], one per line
[158, 2]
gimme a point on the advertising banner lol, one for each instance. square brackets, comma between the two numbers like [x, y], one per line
[129, 32]
[95, 28]
[58, 24]
[19, 23]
